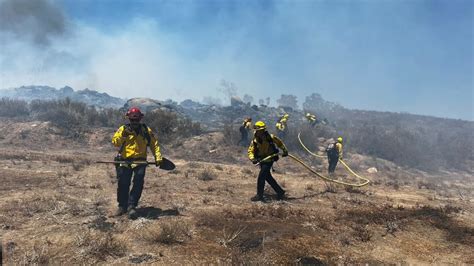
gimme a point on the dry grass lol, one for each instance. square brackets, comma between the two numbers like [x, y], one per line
[39, 254]
[218, 224]
[247, 171]
[206, 175]
[169, 232]
[354, 190]
[362, 233]
[330, 187]
[229, 236]
[99, 246]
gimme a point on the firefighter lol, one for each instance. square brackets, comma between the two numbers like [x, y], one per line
[311, 119]
[263, 145]
[244, 131]
[132, 140]
[281, 126]
[334, 153]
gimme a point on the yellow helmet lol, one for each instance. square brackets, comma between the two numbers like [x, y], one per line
[339, 139]
[286, 115]
[259, 125]
[308, 114]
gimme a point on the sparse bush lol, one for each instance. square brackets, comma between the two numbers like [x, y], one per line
[229, 236]
[13, 108]
[231, 134]
[206, 175]
[391, 227]
[99, 246]
[169, 126]
[362, 233]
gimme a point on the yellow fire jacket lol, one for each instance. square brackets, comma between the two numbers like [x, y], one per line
[135, 144]
[311, 118]
[261, 150]
[280, 126]
[339, 149]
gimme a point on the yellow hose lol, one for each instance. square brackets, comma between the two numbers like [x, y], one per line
[366, 181]
[304, 147]
[318, 174]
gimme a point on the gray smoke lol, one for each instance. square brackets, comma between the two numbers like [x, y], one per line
[33, 21]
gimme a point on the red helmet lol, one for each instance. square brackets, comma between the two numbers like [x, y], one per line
[134, 113]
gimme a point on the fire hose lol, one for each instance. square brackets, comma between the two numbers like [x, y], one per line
[316, 173]
[366, 181]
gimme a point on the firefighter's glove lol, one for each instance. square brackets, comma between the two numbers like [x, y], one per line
[254, 161]
[285, 153]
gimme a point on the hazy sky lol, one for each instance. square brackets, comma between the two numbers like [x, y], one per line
[390, 55]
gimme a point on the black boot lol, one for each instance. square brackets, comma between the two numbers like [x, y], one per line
[120, 211]
[132, 213]
[281, 196]
[258, 198]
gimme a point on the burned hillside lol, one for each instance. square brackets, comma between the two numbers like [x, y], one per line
[57, 205]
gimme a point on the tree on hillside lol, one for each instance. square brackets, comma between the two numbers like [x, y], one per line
[312, 101]
[248, 99]
[315, 102]
[288, 100]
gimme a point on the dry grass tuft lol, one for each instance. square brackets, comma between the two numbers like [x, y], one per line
[229, 236]
[330, 187]
[206, 175]
[362, 233]
[99, 246]
[38, 255]
[168, 232]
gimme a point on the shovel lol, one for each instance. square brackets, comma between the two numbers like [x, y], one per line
[166, 164]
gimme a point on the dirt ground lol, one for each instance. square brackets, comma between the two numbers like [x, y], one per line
[56, 207]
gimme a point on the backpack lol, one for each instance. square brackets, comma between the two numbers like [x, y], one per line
[331, 150]
[273, 147]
